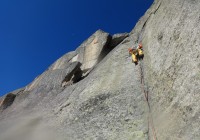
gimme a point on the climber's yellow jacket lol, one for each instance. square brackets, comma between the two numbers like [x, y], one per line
[139, 49]
[133, 53]
[140, 52]
[134, 58]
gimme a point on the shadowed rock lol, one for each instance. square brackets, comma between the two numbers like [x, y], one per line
[7, 101]
[117, 39]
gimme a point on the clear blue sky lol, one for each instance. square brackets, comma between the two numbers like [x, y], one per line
[35, 33]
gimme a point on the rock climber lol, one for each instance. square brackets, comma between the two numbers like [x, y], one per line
[140, 51]
[136, 53]
[133, 53]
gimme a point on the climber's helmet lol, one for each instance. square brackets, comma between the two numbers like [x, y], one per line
[140, 46]
[130, 50]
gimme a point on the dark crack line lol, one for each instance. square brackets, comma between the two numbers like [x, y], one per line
[146, 95]
[145, 23]
[157, 8]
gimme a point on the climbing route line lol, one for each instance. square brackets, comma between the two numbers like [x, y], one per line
[146, 96]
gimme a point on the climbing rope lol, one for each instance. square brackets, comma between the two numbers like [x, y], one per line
[146, 95]
[146, 92]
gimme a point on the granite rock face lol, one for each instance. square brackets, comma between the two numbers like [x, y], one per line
[95, 92]
[172, 68]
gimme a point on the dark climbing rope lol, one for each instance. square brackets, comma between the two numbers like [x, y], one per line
[146, 95]
[146, 92]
